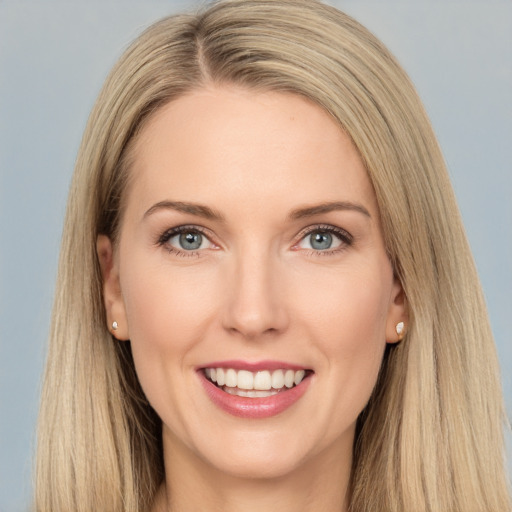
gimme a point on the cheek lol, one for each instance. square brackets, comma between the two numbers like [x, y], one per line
[168, 313]
[348, 321]
[164, 304]
[351, 307]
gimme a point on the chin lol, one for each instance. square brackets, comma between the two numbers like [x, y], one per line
[259, 467]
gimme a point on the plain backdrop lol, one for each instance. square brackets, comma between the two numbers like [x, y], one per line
[54, 56]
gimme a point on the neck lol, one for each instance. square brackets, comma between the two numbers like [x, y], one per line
[192, 484]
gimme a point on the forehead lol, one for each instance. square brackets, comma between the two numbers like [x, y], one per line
[217, 144]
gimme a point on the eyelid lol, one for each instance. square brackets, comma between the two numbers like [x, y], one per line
[345, 237]
[184, 228]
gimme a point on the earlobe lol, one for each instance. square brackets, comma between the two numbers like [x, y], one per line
[112, 296]
[396, 326]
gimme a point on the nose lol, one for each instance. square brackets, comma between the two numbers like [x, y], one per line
[255, 302]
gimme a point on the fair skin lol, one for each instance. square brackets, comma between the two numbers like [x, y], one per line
[278, 261]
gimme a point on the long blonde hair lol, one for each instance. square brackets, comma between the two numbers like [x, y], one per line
[431, 437]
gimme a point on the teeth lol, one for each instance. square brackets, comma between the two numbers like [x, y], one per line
[220, 377]
[254, 384]
[289, 376]
[245, 380]
[278, 379]
[249, 393]
[262, 380]
[297, 380]
[231, 378]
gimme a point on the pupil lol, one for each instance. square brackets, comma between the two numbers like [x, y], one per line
[321, 241]
[191, 241]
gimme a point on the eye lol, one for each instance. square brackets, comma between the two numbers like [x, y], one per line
[320, 241]
[185, 240]
[189, 241]
[325, 239]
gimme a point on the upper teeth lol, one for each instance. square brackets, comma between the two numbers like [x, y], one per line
[262, 380]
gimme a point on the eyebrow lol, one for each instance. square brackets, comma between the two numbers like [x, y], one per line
[319, 209]
[208, 213]
[193, 208]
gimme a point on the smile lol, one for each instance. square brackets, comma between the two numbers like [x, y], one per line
[258, 384]
[253, 392]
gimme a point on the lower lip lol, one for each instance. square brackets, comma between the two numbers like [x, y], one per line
[245, 407]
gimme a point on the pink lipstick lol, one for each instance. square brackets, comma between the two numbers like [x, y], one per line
[254, 390]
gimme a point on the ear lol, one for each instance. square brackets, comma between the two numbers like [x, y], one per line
[112, 297]
[397, 313]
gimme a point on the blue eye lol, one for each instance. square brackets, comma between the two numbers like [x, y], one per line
[320, 241]
[189, 241]
[326, 239]
[185, 239]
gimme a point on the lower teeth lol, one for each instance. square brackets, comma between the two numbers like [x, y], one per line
[251, 393]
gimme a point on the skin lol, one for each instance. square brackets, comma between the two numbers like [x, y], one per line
[254, 291]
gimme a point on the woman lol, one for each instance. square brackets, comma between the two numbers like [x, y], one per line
[266, 298]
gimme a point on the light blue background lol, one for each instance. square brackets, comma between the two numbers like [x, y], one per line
[54, 56]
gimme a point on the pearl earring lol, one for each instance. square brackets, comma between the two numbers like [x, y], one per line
[400, 328]
[114, 326]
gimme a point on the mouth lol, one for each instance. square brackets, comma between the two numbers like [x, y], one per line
[254, 390]
[255, 384]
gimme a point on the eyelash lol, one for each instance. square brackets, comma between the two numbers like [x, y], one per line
[345, 238]
[167, 235]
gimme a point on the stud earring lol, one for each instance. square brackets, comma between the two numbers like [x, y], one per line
[400, 330]
[114, 326]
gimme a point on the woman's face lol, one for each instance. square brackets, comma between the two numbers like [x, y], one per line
[251, 253]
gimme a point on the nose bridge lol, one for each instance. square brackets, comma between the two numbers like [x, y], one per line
[255, 304]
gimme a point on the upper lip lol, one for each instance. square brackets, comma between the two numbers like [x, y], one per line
[254, 366]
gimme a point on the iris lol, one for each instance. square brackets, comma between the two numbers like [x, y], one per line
[320, 240]
[190, 241]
